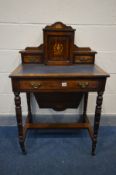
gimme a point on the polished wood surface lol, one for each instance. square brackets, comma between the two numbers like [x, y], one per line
[59, 74]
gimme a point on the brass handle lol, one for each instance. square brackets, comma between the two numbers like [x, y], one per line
[83, 85]
[35, 85]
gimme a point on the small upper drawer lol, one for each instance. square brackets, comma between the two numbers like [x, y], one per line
[31, 58]
[84, 59]
[62, 85]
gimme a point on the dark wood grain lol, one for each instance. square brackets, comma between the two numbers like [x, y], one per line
[85, 106]
[29, 106]
[97, 120]
[59, 74]
[19, 120]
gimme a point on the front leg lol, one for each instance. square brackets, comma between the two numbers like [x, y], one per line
[97, 120]
[19, 120]
[28, 95]
[85, 106]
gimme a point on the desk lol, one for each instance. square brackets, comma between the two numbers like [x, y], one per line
[58, 86]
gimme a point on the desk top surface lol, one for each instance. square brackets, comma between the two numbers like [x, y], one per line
[41, 70]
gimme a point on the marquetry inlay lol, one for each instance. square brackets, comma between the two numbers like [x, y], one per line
[57, 49]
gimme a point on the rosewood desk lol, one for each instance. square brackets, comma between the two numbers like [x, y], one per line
[59, 74]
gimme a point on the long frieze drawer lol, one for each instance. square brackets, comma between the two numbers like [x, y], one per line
[58, 84]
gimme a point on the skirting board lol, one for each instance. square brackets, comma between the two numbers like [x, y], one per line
[9, 120]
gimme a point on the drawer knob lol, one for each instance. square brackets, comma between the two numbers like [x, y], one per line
[83, 85]
[35, 85]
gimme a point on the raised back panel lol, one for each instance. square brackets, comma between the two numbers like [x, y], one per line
[58, 48]
[58, 44]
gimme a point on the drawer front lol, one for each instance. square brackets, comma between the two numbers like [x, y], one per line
[82, 59]
[43, 85]
[34, 58]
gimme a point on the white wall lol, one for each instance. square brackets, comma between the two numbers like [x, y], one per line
[21, 24]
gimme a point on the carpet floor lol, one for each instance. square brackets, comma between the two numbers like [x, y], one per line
[58, 152]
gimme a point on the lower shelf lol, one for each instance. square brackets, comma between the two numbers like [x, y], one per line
[79, 125]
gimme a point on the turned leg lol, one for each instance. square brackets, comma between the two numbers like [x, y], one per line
[19, 120]
[29, 107]
[97, 120]
[85, 106]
